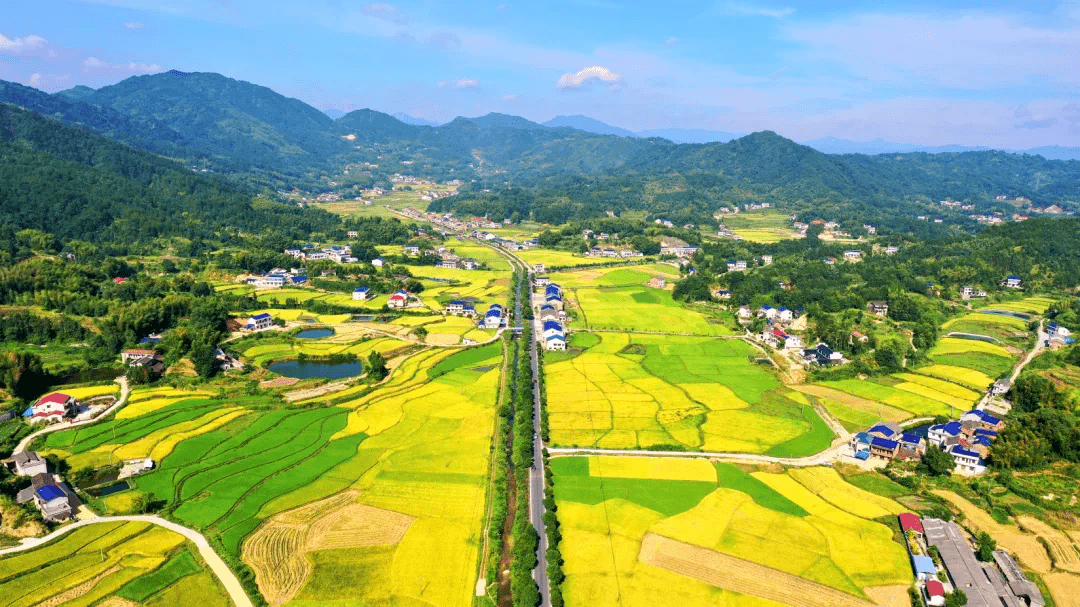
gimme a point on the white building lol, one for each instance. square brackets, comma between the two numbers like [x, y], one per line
[556, 342]
[852, 254]
[361, 294]
[29, 463]
[766, 260]
[260, 322]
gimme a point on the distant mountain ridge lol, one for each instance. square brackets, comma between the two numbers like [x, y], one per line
[589, 125]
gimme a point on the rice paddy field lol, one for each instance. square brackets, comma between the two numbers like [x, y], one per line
[346, 340]
[1029, 305]
[561, 259]
[132, 561]
[765, 227]
[637, 391]
[301, 316]
[650, 531]
[640, 308]
[398, 472]
[617, 276]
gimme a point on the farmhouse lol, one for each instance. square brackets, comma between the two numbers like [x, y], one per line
[449, 264]
[657, 282]
[722, 294]
[784, 315]
[1012, 282]
[378, 262]
[779, 339]
[967, 461]
[493, 318]
[878, 308]
[945, 435]
[133, 356]
[766, 260]
[934, 593]
[399, 299]
[892, 249]
[29, 463]
[551, 328]
[352, 234]
[859, 337]
[469, 264]
[270, 281]
[361, 294]
[556, 342]
[853, 255]
[460, 308]
[983, 420]
[52, 408]
[52, 498]
[884, 447]
[411, 249]
[822, 354]
[745, 312]
[553, 289]
[548, 313]
[967, 292]
[910, 522]
[260, 322]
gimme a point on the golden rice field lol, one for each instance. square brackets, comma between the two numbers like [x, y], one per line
[276, 349]
[1029, 305]
[673, 535]
[110, 562]
[560, 259]
[695, 392]
[300, 315]
[640, 308]
[619, 276]
[424, 462]
[953, 345]
[88, 392]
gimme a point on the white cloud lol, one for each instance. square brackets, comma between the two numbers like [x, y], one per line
[596, 73]
[738, 9]
[22, 46]
[509, 97]
[672, 41]
[134, 25]
[462, 83]
[131, 67]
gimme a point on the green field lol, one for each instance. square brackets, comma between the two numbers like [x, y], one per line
[637, 391]
[641, 308]
[764, 227]
[133, 560]
[618, 276]
[561, 259]
[807, 524]
[417, 446]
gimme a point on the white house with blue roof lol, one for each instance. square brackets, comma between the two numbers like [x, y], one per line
[1012, 282]
[260, 322]
[967, 461]
[361, 294]
[493, 318]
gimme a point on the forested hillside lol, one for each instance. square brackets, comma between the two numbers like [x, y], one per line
[74, 185]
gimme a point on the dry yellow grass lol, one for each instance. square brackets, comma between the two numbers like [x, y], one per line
[1064, 587]
[889, 596]
[73, 593]
[275, 552]
[741, 576]
[1061, 548]
[1026, 546]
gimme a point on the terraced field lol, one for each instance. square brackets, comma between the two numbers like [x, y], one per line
[111, 562]
[766, 227]
[690, 533]
[636, 391]
[411, 453]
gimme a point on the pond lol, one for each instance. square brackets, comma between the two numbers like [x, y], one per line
[314, 333]
[1020, 315]
[111, 489]
[307, 369]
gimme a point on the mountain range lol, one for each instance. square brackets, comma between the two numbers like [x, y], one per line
[268, 140]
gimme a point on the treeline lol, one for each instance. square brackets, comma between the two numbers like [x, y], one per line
[523, 587]
[1042, 427]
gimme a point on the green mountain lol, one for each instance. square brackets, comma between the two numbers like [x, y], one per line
[75, 185]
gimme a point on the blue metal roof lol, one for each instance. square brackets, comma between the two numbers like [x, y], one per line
[546, 307]
[954, 428]
[990, 433]
[884, 443]
[551, 324]
[882, 428]
[261, 316]
[863, 455]
[50, 492]
[910, 438]
[456, 302]
[863, 437]
[361, 290]
[923, 564]
[958, 450]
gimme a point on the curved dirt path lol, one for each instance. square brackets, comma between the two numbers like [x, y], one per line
[218, 566]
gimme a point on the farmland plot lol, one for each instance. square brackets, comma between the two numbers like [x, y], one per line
[641, 308]
[692, 392]
[108, 562]
[745, 539]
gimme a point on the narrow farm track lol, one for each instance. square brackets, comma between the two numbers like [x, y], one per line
[817, 459]
[223, 573]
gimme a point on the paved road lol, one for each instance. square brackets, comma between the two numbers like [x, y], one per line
[1041, 338]
[228, 579]
[124, 391]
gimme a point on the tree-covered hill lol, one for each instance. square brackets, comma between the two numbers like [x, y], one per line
[75, 185]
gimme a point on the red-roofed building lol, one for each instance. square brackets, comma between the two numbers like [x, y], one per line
[51, 408]
[58, 398]
[119, 280]
[911, 522]
[935, 593]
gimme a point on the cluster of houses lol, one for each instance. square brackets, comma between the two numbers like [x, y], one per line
[614, 252]
[494, 317]
[47, 491]
[278, 278]
[967, 439]
[1000, 583]
[447, 258]
[551, 315]
[143, 357]
[310, 252]
[969, 292]
[1058, 336]
[956, 205]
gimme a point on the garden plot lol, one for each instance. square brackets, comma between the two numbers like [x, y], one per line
[637, 391]
[745, 538]
[110, 562]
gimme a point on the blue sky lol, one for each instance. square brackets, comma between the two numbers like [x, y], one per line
[970, 72]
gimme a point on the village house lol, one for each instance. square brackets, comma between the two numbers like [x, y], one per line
[858, 337]
[297, 253]
[745, 312]
[52, 408]
[551, 328]
[736, 265]
[133, 357]
[779, 339]
[853, 255]
[1012, 282]
[945, 435]
[399, 299]
[29, 463]
[766, 260]
[448, 264]
[722, 294]
[260, 322]
[52, 498]
[967, 292]
[829, 261]
[657, 282]
[378, 262]
[784, 315]
[539, 268]
[548, 313]
[493, 318]
[352, 234]
[541, 281]
[892, 249]
[878, 308]
[361, 294]
[270, 281]
[411, 250]
[553, 289]
[460, 308]
[967, 461]
[1000, 387]
[555, 342]
[983, 420]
